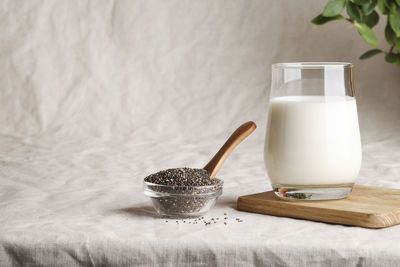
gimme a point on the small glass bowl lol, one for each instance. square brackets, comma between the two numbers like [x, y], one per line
[183, 201]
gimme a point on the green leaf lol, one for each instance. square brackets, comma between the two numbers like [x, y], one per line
[370, 53]
[319, 20]
[361, 2]
[333, 8]
[391, 4]
[383, 6]
[397, 44]
[368, 8]
[389, 34]
[367, 34]
[391, 58]
[398, 60]
[394, 20]
[372, 19]
[353, 11]
[398, 2]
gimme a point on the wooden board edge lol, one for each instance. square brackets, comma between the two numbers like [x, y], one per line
[386, 219]
[371, 221]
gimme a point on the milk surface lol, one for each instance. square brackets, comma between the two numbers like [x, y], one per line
[312, 140]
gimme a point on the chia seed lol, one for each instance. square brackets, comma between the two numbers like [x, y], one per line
[182, 177]
[187, 191]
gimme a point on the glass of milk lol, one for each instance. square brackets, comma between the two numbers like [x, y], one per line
[312, 145]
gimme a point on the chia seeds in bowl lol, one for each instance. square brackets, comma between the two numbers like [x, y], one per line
[182, 192]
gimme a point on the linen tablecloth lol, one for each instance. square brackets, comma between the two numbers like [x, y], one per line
[84, 206]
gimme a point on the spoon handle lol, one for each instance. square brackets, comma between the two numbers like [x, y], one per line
[236, 138]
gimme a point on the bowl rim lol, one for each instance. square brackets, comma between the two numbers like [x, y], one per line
[220, 183]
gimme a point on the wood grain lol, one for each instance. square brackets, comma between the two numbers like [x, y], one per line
[215, 164]
[370, 207]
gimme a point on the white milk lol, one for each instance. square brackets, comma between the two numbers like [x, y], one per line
[312, 140]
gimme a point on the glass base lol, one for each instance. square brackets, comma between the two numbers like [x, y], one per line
[312, 192]
[181, 207]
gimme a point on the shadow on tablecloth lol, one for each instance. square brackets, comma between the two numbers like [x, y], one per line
[138, 211]
[149, 211]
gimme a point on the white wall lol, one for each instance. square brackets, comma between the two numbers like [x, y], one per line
[185, 69]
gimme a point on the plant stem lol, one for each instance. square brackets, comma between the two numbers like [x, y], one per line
[352, 22]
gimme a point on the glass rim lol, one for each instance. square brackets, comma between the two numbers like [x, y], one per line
[312, 65]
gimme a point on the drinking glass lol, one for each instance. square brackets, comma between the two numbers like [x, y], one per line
[312, 144]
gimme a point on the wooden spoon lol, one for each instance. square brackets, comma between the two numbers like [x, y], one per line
[215, 164]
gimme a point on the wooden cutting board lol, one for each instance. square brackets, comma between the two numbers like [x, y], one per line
[370, 207]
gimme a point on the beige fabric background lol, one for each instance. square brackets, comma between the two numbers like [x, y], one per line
[102, 68]
[95, 95]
